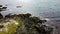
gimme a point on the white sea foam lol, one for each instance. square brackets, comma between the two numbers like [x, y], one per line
[47, 19]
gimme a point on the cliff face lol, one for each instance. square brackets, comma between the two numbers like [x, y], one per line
[23, 24]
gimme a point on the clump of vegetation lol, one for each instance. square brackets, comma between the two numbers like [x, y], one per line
[12, 28]
[9, 27]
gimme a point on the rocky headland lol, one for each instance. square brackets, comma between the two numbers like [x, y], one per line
[23, 24]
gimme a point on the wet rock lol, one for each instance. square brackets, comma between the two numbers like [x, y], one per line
[0, 9]
[1, 16]
[37, 20]
[4, 7]
[0, 5]
[28, 15]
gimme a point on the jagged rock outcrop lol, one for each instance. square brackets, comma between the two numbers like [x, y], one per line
[2, 8]
[1, 16]
[33, 25]
[30, 25]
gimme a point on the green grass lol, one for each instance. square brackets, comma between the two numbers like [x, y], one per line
[12, 28]
[3, 32]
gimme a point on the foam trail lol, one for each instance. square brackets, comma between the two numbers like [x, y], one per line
[47, 19]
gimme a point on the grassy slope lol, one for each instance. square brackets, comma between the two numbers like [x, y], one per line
[12, 28]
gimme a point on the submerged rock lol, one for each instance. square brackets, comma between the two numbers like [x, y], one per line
[18, 6]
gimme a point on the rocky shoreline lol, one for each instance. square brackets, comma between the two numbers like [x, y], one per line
[22, 24]
[29, 25]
